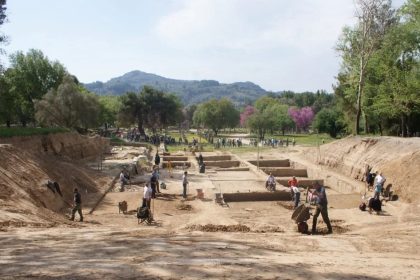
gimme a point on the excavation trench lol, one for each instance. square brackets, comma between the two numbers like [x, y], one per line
[257, 196]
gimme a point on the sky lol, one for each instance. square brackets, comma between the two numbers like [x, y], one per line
[277, 44]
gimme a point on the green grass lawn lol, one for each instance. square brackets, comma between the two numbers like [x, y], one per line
[189, 135]
[301, 139]
[307, 139]
[28, 131]
[176, 148]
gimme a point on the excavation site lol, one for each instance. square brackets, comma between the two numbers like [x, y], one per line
[229, 224]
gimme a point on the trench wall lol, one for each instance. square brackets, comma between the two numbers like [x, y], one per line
[223, 163]
[216, 158]
[68, 144]
[174, 158]
[284, 172]
[271, 163]
[257, 196]
[165, 164]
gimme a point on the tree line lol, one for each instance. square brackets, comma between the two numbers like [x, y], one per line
[378, 86]
[378, 89]
[38, 91]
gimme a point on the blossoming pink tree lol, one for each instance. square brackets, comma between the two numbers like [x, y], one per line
[302, 117]
[248, 111]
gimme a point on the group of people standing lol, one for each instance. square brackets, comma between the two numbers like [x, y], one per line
[223, 142]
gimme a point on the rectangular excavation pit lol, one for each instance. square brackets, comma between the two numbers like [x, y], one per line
[284, 172]
[257, 196]
[174, 158]
[271, 163]
[176, 164]
[223, 163]
[216, 158]
[233, 169]
[301, 181]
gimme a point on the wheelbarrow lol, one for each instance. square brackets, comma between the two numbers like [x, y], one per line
[300, 216]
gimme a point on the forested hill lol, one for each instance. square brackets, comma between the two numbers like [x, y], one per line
[190, 92]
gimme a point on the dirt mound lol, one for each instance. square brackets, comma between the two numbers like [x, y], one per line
[71, 145]
[25, 199]
[216, 228]
[397, 158]
[183, 206]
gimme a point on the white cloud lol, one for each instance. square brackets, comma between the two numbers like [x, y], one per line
[255, 25]
[280, 44]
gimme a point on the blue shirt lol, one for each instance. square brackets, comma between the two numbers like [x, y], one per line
[321, 196]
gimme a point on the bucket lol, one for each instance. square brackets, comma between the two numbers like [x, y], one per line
[200, 193]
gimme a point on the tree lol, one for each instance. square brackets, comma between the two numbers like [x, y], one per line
[150, 108]
[189, 113]
[264, 102]
[269, 115]
[161, 109]
[132, 110]
[258, 123]
[302, 117]
[68, 107]
[109, 108]
[281, 119]
[32, 75]
[7, 102]
[3, 38]
[248, 111]
[329, 121]
[358, 44]
[216, 115]
[398, 71]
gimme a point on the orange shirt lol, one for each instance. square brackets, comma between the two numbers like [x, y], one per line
[293, 182]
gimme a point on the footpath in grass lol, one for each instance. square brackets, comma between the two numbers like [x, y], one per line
[29, 131]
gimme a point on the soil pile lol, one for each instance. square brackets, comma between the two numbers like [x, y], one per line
[25, 168]
[71, 145]
[223, 228]
[397, 158]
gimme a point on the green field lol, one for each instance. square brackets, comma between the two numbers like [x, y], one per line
[190, 136]
[29, 131]
[306, 139]
[176, 148]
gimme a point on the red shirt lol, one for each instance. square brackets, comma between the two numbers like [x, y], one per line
[293, 182]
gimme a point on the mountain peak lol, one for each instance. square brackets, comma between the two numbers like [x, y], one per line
[190, 92]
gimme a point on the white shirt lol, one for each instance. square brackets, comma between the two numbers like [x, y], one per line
[184, 179]
[271, 179]
[122, 177]
[295, 189]
[379, 179]
[147, 192]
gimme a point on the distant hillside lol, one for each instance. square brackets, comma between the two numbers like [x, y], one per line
[190, 92]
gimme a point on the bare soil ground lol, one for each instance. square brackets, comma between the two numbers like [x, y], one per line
[195, 239]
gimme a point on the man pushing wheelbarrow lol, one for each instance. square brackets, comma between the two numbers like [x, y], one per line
[302, 213]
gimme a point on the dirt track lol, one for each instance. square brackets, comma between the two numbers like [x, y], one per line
[180, 243]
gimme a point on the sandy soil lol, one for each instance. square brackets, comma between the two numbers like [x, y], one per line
[256, 240]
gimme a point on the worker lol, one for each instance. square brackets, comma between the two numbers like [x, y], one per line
[296, 195]
[321, 203]
[292, 182]
[379, 184]
[123, 178]
[77, 206]
[270, 184]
